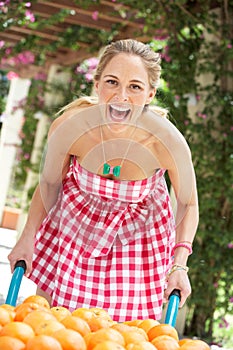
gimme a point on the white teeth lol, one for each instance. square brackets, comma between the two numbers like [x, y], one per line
[120, 108]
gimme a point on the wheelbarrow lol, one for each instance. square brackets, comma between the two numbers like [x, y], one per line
[20, 268]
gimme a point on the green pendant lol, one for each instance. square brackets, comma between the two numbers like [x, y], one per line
[108, 169]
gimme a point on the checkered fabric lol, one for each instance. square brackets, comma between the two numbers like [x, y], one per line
[107, 244]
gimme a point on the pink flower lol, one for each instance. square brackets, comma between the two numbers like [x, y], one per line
[26, 57]
[95, 15]
[92, 62]
[88, 76]
[4, 8]
[30, 16]
[229, 46]
[224, 323]
[8, 50]
[165, 54]
[12, 75]
[2, 43]
[160, 37]
[27, 4]
[231, 300]
[26, 156]
[3, 3]
[40, 76]
[80, 69]
[230, 245]
[201, 115]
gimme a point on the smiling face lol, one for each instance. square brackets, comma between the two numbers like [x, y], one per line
[124, 83]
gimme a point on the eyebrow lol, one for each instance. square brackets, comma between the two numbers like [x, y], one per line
[132, 81]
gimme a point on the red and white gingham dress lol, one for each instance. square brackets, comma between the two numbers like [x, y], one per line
[107, 244]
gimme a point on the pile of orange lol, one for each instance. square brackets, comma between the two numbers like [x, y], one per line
[33, 325]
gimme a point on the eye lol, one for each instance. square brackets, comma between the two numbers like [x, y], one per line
[135, 87]
[111, 82]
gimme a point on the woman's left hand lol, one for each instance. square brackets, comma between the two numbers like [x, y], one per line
[178, 280]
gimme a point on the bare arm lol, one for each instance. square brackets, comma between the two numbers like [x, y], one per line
[172, 152]
[44, 197]
[182, 176]
[183, 180]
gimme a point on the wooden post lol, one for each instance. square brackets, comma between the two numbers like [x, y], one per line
[32, 177]
[10, 139]
[56, 75]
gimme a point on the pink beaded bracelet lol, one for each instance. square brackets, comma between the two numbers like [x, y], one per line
[183, 245]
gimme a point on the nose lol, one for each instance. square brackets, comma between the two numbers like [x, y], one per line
[122, 95]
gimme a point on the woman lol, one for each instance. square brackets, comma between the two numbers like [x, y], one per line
[105, 232]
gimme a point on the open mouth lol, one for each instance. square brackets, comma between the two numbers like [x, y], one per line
[119, 113]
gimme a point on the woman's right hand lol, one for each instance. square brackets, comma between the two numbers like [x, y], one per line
[23, 250]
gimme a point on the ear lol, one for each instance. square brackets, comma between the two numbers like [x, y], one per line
[96, 86]
[151, 95]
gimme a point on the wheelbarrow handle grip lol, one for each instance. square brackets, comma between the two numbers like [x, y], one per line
[21, 263]
[173, 306]
[19, 271]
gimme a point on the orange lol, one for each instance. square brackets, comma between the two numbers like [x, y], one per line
[87, 338]
[133, 322]
[36, 317]
[38, 299]
[10, 309]
[148, 324]
[122, 327]
[10, 343]
[19, 330]
[131, 334]
[60, 312]
[77, 324]
[140, 331]
[43, 342]
[5, 316]
[163, 329]
[22, 310]
[96, 318]
[109, 345]
[133, 337]
[84, 313]
[99, 312]
[48, 327]
[144, 345]
[184, 341]
[195, 345]
[99, 322]
[165, 342]
[104, 334]
[70, 340]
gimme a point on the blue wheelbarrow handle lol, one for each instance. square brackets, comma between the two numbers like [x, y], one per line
[173, 306]
[19, 270]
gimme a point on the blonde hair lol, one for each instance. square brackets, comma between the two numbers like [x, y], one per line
[150, 59]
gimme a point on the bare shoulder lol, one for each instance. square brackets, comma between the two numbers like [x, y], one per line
[64, 117]
[168, 144]
[164, 131]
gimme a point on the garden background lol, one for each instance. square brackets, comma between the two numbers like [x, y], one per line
[53, 48]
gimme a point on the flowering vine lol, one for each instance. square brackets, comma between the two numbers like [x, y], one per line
[179, 33]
